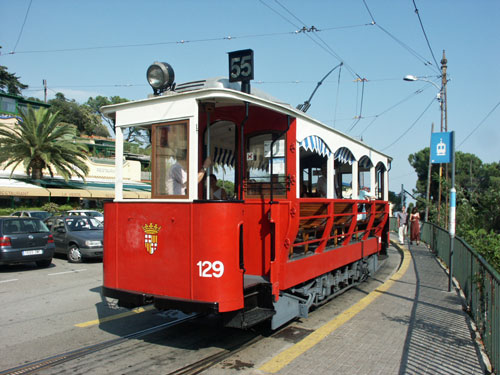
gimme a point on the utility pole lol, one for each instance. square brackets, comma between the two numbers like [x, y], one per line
[45, 90]
[428, 195]
[444, 128]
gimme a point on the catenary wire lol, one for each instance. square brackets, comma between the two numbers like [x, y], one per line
[22, 27]
[337, 98]
[376, 117]
[425, 34]
[323, 45]
[360, 116]
[411, 126]
[402, 44]
[481, 123]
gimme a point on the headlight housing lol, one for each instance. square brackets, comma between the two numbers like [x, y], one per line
[160, 77]
[90, 243]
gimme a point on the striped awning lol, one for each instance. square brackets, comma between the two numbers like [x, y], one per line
[223, 156]
[344, 155]
[315, 144]
[365, 162]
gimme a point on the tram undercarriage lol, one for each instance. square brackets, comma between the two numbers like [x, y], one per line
[297, 301]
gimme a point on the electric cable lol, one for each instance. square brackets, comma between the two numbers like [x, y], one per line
[359, 117]
[481, 123]
[425, 34]
[402, 44]
[411, 126]
[22, 27]
[389, 109]
[337, 98]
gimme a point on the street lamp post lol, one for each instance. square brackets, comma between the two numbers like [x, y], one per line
[412, 78]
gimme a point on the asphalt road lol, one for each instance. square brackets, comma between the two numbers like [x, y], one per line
[41, 309]
[47, 312]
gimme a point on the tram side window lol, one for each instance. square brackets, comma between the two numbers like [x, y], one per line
[170, 160]
[260, 163]
[313, 175]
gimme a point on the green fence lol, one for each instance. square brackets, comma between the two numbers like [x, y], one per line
[478, 281]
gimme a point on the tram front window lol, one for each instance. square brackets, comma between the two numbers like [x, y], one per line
[260, 166]
[170, 160]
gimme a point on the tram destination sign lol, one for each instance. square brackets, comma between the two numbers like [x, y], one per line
[241, 65]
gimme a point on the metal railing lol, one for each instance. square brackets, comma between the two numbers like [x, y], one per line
[478, 280]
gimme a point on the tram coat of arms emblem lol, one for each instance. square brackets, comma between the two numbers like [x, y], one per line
[151, 237]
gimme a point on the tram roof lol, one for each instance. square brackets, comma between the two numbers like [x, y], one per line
[222, 96]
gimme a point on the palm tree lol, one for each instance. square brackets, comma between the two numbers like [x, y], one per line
[40, 142]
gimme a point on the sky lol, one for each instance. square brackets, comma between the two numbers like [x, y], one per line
[89, 48]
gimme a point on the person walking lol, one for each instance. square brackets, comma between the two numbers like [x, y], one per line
[415, 226]
[402, 217]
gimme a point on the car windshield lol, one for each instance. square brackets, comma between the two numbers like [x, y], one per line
[17, 226]
[81, 223]
[40, 214]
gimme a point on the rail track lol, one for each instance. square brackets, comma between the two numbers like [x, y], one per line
[47, 363]
[210, 361]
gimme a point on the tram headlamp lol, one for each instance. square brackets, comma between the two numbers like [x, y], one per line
[160, 76]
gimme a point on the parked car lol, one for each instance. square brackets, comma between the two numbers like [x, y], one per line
[95, 214]
[25, 240]
[78, 237]
[38, 214]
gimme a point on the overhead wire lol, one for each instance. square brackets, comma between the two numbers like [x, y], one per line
[481, 123]
[425, 34]
[22, 27]
[321, 43]
[425, 61]
[360, 116]
[411, 126]
[376, 117]
[337, 98]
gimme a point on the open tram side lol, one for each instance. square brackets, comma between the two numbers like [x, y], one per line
[291, 231]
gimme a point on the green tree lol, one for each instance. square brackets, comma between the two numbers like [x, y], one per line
[100, 101]
[478, 200]
[132, 134]
[39, 142]
[420, 162]
[9, 83]
[82, 116]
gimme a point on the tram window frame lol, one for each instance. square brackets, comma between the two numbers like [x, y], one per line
[160, 153]
[262, 189]
[219, 169]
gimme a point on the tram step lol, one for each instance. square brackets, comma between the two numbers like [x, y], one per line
[249, 318]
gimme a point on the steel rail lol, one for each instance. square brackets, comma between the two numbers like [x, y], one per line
[210, 361]
[53, 361]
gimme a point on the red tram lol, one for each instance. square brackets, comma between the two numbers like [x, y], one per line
[288, 231]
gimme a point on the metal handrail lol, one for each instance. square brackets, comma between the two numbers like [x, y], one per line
[477, 279]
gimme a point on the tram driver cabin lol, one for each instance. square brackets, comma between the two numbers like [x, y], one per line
[292, 213]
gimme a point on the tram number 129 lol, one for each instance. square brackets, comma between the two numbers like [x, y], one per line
[210, 269]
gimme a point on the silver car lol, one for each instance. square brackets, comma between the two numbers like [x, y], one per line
[78, 237]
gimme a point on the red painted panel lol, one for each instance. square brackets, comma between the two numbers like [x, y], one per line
[109, 258]
[257, 238]
[300, 270]
[184, 234]
[216, 274]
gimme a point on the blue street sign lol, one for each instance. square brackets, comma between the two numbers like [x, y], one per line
[441, 148]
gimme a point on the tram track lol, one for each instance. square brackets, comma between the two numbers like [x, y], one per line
[212, 360]
[47, 363]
